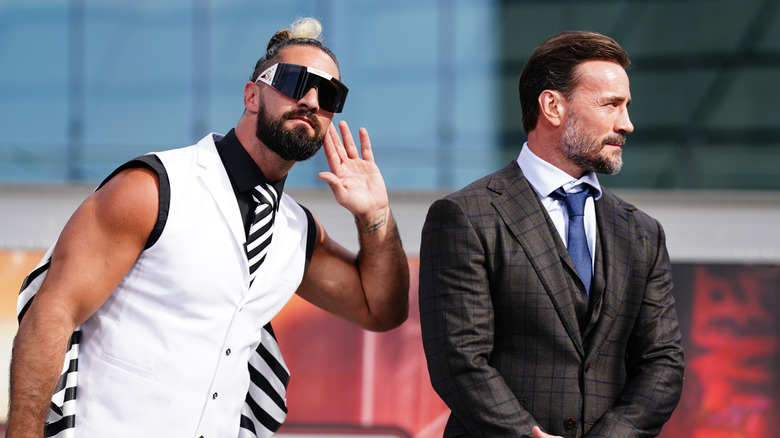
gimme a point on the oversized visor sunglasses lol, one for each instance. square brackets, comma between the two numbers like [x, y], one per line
[296, 80]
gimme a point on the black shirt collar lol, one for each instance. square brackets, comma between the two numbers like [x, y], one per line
[244, 174]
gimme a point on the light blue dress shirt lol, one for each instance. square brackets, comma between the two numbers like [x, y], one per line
[546, 178]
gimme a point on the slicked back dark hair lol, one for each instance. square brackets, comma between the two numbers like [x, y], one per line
[553, 66]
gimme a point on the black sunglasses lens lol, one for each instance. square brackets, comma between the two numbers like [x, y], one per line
[288, 78]
[326, 91]
[295, 81]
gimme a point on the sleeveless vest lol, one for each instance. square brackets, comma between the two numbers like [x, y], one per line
[167, 353]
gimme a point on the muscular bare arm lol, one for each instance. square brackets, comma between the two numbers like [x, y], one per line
[97, 247]
[371, 288]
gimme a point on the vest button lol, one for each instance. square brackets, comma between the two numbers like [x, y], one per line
[227, 352]
[214, 396]
[569, 423]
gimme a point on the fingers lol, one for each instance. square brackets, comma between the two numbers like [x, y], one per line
[333, 143]
[365, 145]
[334, 183]
[334, 153]
[339, 152]
[329, 178]
[349, 142]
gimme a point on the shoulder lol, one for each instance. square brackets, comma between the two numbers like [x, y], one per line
[189, 159]
[611, 204]
[156, 186]
[186, 159]
[131, 188]
[124, 206]
[488, 186]
[481, 196]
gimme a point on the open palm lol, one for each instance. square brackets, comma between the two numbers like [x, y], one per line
[354, 177]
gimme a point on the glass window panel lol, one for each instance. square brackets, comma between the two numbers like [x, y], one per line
[435, 82]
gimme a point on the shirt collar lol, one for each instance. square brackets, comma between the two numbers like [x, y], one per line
[546, 178]
[243, 172]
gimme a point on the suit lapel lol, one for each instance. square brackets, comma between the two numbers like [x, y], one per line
[522, 212]
[614, 221]
[216, 180]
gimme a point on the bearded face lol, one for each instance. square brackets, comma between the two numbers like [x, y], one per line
[295, 144]
[587, 150]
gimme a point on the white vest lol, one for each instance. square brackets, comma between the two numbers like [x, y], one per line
[167, 354]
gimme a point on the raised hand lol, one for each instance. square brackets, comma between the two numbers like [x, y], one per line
[354, 177]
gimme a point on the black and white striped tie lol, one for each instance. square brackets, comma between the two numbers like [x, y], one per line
[261, 230]
[265, 407]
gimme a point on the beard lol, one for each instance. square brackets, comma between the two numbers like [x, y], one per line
[290, 144]
[587, 151]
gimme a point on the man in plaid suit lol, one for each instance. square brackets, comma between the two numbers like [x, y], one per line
[520, 338]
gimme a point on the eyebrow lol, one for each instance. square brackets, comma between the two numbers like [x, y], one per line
[615, 98]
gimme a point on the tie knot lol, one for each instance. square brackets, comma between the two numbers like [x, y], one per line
[575, 202]
[264, 194]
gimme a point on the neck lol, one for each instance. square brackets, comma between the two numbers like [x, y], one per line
[548, 149]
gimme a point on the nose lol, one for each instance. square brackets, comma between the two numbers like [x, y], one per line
[310, 100]
[623, 123]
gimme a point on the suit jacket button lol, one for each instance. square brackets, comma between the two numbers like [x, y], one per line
[569, 423]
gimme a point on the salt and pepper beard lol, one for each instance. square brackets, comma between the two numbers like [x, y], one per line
[290, 144]
[586, 151]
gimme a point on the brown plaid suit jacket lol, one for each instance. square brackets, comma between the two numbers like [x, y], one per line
[504, 347]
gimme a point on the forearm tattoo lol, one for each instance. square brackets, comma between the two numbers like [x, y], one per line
[376, 223]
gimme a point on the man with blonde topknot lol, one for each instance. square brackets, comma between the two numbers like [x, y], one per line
[150, 316]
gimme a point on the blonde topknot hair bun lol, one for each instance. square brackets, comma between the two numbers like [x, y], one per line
[305, 27]
[304, 31]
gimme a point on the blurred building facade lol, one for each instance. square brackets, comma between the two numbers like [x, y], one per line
[86, 84]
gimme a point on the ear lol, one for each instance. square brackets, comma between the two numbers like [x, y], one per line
[552, 107]
[252, 97]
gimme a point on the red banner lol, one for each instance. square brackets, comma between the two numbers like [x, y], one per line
[732, 343]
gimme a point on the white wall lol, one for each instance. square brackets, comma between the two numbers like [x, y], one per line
[707, 226]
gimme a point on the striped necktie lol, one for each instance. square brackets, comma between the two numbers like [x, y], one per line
[261, 230]
[265, 406]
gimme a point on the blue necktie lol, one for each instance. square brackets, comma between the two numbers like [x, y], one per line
[577, 243]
